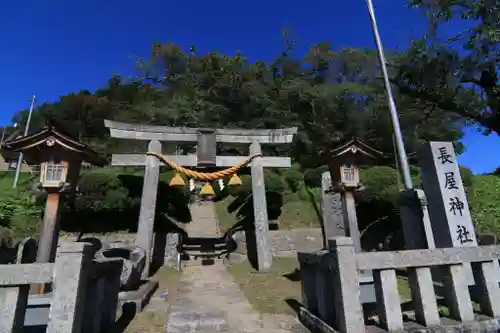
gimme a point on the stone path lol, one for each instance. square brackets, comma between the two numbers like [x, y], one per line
[208, 300]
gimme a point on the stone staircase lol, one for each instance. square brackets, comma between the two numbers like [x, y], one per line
[192, 310]
[205, 245]
[208, 299]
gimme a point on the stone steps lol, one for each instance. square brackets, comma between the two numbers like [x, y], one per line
[181, 321]
[208, 299]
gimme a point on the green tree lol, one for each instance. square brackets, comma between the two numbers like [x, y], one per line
[330, 95]
[457, 73]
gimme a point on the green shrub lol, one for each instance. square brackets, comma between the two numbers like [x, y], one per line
[381, 182]
[98, 180]
[312, 177]
[484, 202]
[101, 190]
[467, 176]
[6, 237]
[273, 182]
[293, 178]
[20, 212]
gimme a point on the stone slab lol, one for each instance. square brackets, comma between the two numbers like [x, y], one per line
[186, 134]
[483, 325]
[192, 160]
[182, 322]
[367, 290]
[26, 274]
[423, 258]
[139, 298]
[37, 311]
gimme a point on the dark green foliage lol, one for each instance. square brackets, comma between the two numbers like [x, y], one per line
[456, 72]
[101, 190]
[381, 183]
[274, 182]
[109, 200]
[467, 176]
[294, 178]
[484, 200]
[312, 177]
[20, 212]
[330, 95]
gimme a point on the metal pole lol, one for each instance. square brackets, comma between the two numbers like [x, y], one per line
[3, 135]
[405, 169]
[26, 130]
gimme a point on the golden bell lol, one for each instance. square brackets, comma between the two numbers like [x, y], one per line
[177, 181]
[234, 180]
[207, 190]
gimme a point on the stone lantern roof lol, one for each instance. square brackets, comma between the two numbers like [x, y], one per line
[34, 145]
[355, 150]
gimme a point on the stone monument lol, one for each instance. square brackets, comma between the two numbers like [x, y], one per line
[449, 212]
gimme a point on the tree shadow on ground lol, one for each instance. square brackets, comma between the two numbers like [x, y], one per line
[294, 276]
[380, 225]
[242, 205]
[319, 215]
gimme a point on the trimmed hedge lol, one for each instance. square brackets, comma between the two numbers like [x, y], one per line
[109, 198]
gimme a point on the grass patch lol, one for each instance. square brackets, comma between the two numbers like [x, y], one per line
[155, 321]
[267, 293]
[298, 214]
[294, 215]
[404, 289]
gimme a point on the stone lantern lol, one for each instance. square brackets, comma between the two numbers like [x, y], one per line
[60, 157]
[344, 163]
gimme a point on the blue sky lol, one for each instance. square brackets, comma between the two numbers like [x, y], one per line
[51, 48]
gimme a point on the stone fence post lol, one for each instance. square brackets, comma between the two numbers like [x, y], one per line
[308, 282]
[101, 299]
[348, 311]
[71, 272]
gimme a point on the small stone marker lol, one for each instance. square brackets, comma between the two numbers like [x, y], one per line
[331, 208]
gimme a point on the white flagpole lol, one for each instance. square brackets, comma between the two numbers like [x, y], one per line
[26, 130]
[403, 159]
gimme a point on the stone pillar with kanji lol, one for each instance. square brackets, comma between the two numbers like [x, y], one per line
[449, 212]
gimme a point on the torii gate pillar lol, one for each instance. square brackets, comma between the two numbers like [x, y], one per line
[206, 140]
[264, 255]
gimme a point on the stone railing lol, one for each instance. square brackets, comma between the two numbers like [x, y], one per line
[331, 290]
[85, 291]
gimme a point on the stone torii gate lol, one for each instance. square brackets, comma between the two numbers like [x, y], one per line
[206, 140]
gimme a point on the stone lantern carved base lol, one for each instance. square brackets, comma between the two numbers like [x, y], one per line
[134, 261]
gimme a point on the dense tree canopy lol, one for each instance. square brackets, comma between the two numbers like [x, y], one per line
[457, 73]
[330, 95]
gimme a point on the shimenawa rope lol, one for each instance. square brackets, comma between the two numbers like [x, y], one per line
[206, 176]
